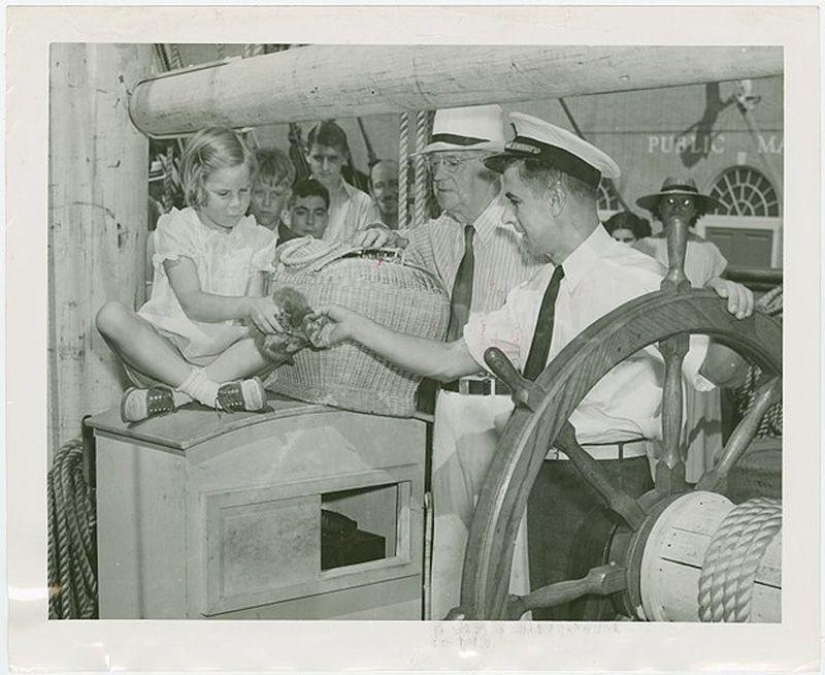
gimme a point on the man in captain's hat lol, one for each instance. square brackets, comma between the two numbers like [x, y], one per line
[550, 179]
[479, 258]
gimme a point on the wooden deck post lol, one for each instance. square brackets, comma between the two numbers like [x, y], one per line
[98, 172]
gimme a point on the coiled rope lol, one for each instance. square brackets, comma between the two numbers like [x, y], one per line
[733, 559]
[72, 563]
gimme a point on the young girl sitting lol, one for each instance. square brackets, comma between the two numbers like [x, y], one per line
[192, 339]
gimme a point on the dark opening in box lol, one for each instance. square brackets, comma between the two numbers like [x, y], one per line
[359, 525]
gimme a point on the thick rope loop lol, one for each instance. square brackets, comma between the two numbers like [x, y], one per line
[71, 554]
[733, 559]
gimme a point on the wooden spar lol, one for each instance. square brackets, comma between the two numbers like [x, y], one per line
[98, 168]
[325, 81]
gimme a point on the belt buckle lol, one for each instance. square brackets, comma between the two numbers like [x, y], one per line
[463, 386]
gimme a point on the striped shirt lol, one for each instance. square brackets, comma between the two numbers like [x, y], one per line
[502, 259]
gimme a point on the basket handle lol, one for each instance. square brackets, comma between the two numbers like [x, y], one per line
[313, 255]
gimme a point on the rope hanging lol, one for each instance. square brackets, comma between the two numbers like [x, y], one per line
[250, 50]
[420, 169]
[403, 140]
[174, 57]
[72, 565]
[733, 559]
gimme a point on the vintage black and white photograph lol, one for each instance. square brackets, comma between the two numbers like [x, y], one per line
[433, 333]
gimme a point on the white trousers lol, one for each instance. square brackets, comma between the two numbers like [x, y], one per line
[464, 442]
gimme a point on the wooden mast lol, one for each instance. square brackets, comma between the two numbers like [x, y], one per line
[98, 171]
[328, 81]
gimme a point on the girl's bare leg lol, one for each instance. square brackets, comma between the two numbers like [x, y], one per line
[138, 344]
[240, 361]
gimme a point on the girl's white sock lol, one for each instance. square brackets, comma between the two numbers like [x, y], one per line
[200, 388]
[180, 398]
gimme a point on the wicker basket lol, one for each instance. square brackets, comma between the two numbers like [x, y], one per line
[379, 285]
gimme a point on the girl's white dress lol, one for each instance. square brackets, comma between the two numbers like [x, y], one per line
[703, 415]
[225, 261]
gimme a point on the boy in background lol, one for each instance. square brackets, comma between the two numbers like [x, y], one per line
[272, 189]
[308, 211]
[350, 210]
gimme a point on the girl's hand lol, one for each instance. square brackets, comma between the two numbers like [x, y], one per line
[263, 313]
[740, 299]
[329, 325]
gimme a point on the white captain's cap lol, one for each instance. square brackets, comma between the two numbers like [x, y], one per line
[479, 127]
[556, 147]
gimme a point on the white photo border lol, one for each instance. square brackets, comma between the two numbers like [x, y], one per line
[64, 646]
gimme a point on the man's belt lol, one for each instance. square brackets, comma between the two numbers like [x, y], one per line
[603, 451]
[475, 386]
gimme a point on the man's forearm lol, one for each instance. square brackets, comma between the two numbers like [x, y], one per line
[723, 366]
[429, 358]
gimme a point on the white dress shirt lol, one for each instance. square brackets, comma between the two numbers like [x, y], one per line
[350, 214]
[600, 275]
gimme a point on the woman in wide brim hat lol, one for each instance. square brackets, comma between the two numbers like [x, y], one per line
[678, 191]
[679, 197]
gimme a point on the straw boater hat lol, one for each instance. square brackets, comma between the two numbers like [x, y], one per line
[476, 128]
[557, 147]
[680, 185]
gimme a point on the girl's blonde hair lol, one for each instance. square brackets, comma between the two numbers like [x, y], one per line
[206, 152]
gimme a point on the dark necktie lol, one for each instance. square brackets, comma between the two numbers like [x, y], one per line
[462, 289]
[543, 337]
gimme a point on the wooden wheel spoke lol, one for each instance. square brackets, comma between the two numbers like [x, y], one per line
[593, 473]
[670, 470]
[601, 580]
[524, 392]
[767, 395]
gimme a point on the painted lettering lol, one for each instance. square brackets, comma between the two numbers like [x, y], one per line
[770, 145]
[697, 145]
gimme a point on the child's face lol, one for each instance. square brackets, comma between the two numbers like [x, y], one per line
[309, 216]
[227, 197]
[325, 163]
[624, 235]
[268, 201]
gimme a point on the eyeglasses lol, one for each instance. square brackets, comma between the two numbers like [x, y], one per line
[679, 201]
[449, 162]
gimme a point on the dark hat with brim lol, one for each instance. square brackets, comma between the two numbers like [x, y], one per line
[556, 147]
[680, 186]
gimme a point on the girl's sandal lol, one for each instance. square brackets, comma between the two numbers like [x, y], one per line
[242, 396]
[139, 404]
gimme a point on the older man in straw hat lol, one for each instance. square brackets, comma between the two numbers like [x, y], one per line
[550, 180]
[479, 258]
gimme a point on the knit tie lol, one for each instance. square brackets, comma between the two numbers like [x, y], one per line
[462, 289]
[543, 337]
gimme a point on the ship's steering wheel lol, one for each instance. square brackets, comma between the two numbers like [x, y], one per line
[540, 420]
